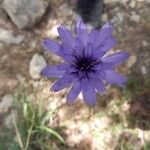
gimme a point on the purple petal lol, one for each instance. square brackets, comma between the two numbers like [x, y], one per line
[63, 66]
[97, 54]
[104, 48]
[68, 58]
[107, 25]
[99, 85]
[104, 33]
[100, 73]
[65, 50]
[52, 71]
[103, 66]
[88, 50]
[81, 32]
[61, 83]
[71, 69]
[66, 53]
[92, 36]
[88, 92]
[74, 92]
[66, 36]
[108, 44]
[51, 45]
[113, 77]
[116, 59]
[78, 47]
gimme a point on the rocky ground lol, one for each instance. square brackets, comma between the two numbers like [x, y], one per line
[121, 118]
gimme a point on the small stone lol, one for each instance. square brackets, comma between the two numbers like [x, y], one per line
[8, 83]
[53, 33]
[131, 61]
[135, 17]
[144, 43]
[84, 129]
[65, 10]
[125, 106]
[104, 17]
[73, 140]
[6, 103]
[147, 136]
[10, 119]
[100, 123]
[99, 141]
[8, 37]
[25, 13]
[132, 4]
[4, 58]
[37, 63]
[33, 44]
[124, 1]
[144, 1]
[143, 70]
[141, 135]
[120, 17]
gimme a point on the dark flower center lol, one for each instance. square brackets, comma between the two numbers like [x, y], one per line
[84, 64]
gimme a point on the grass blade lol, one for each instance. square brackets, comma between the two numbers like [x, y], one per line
[49, 130]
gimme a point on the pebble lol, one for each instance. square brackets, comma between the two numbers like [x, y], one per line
[132, 4]
[53, 33]
[147, 136]
[7, 83]
[25, 13]
[99, 141]
[104, 17]
[135, 17]
[9, 120]
[118, 18]
[6, 103]
[131, 61]
[8, 37]
[143, 70]
[125, 106]
[124, 1]
[100, 123]
[73, 139]
[65, 10]
[144, 43]
[144, 1]
[37, 63]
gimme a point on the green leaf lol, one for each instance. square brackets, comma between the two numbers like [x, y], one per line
[49, 130]
[25, 107]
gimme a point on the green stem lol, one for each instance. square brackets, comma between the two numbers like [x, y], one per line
[29, 133]
[17, 133]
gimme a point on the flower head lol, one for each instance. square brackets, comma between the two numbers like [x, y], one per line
[86, 68]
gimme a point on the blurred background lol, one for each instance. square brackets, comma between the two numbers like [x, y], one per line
[32, 117]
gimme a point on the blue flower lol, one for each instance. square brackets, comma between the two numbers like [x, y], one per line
[86, 68]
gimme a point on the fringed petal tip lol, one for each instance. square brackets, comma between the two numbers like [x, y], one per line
[52, 72]
[116, 58]
[74, 92]
[50, 45]
[45, 41]
[107, 25]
